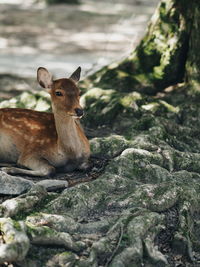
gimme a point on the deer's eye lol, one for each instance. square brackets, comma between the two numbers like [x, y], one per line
[58, 93]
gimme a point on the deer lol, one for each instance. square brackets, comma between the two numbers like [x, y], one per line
[39, 143]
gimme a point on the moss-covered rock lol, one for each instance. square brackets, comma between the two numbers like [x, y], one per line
[33, 100]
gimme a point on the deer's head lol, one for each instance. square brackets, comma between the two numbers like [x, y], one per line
[65, 93]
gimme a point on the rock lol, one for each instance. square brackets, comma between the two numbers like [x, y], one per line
[53, 185]
[13, 185]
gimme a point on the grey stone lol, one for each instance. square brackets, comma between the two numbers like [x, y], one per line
[53, 185]
[13, 185]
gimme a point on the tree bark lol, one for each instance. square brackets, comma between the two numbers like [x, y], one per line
[168, 54]
[53, 2]
[192, 74]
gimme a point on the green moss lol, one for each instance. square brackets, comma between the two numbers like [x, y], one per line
[32, 100]
[41, 256]
[169, 107]
[10, 239]
[151, 106]
[108, 147]
[17, 225]
[144, 123]
[158, 72]
[128, 100]
[102, 104]
[33, 230]
[163, 11]
[122, 74]
[2, 210]
[37, 208]
[150, 65]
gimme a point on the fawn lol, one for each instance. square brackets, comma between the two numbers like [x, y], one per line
[41, 141]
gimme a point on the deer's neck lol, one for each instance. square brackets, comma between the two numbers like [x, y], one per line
[68, 136]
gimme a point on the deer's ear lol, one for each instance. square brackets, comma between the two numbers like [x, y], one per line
[44, 78]
[76, 75]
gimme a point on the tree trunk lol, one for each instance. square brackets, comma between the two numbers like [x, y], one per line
[54, 2]
[192, 75]
[168, 54]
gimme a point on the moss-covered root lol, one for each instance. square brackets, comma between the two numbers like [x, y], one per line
[68, 259]
[127, 241]
[109, 147]
[102, 249]
[26, 202]
[139, 237]
[68, 225]
[16, 243]
[44, 235]
[58, 222]
[186, 238]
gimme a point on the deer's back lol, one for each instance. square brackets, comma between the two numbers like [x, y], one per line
[26, 122]
[21, 128]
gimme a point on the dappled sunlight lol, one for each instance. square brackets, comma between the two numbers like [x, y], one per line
[17, 2]
[3, 43]
[22, 3]
[111, 7]
[61, 37]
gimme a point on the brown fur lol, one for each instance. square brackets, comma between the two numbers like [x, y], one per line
[43, 141]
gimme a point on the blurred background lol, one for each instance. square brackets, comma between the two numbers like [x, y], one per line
[63, 34]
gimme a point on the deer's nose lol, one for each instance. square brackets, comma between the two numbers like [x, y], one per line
[79, 112]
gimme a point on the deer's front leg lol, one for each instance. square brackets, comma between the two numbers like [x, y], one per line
[75, 164]
[36, 167]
